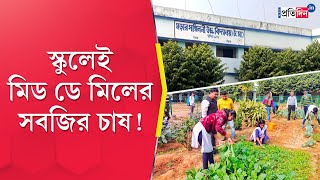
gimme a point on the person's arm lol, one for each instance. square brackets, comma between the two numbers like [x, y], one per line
[296, 102]
[258, 138]
[288, 103]
[272, 103]
[219, 128]
[204, 108]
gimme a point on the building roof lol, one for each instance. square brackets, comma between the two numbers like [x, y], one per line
[160, 11]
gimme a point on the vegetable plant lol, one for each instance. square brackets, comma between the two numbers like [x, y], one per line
[183, 134]
[167, 135]
[251, 112]
[245, 160]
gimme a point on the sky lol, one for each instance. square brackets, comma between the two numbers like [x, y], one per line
[259, 10]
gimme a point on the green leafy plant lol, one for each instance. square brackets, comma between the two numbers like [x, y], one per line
[316, 137]
[238, 123]
[284, 113]
[251, 112]
[183, 134]
[309, 143]
[167, 135]
[244, 160]
[309, 129]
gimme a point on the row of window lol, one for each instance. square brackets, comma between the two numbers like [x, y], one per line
[221, 51]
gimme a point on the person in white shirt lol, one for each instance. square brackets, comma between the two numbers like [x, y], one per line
[292, 105]
[312, 109]
[192, 103]
[209, 104]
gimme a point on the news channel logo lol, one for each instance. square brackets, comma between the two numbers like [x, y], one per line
[296, 12]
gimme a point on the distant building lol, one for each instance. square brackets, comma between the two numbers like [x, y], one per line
[229, 37]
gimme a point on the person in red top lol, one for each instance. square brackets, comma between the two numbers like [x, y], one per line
[208, 128]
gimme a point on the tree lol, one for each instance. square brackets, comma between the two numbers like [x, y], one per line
[286, 63]
[309, 59]
[310, 82]
[204, 68]
[193, 67]
[257, 63]
[173, 57]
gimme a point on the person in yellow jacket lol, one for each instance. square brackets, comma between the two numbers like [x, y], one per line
[227, 103]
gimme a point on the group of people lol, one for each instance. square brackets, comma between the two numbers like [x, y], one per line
[215, 115]
[292, 104]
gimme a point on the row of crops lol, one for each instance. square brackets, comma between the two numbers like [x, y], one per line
[244, 160]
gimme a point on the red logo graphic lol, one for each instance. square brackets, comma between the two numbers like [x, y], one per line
[302, 12]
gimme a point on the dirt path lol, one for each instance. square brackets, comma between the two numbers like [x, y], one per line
[288, 134]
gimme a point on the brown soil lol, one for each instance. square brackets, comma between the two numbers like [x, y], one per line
[288, 134]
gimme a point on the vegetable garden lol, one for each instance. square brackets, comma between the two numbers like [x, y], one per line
[292, 153]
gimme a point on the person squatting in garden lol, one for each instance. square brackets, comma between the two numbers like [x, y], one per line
[226, 103]
[206, 129]
[292, 105]
[306, 101]
[268, 102]
[192, 103]
[312, 109]
[209, 106]
[259, 135]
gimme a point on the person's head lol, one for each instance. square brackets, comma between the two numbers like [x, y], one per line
[231, 114]
[269, 96]
[291, 93]
[261, 123]
[305, 92]
[214, 93]
[192, 94]
[224, 95]
[315, 110]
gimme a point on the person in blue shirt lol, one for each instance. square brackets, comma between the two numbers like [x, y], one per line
[275, 107]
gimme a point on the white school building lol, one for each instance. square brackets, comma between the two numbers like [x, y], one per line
[229, 37]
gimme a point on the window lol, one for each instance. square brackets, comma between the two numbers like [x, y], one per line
[188, 44]
[228, 52]
[276, 50]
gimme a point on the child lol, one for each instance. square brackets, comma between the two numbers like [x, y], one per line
[259, 135]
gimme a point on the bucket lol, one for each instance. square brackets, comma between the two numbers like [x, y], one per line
[271, 126]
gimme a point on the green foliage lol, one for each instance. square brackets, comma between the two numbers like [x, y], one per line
[295, 83]
[309, 129]
[251, 112]
[309, 59]
[316, 137]
[257, 63]
[309, 143]
[183, 134]
[238, 123]
[167, 135]
[261, 62]
[195, 66]
[284, 113]
[247, 161]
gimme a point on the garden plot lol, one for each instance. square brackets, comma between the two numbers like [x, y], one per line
[288, 136]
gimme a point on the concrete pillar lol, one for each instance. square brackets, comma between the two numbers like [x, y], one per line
[240, 53]
[182, 44]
